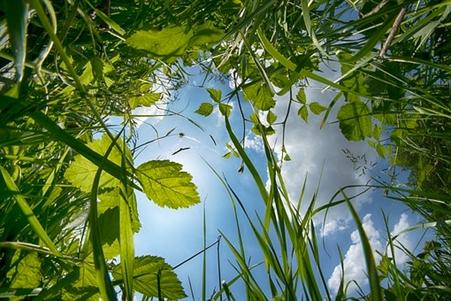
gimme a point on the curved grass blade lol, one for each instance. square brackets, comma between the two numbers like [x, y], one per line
[28, 212]
[16, 17]
[376, 293]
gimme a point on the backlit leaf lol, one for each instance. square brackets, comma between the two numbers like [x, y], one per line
[25, 271]
[317, 108]
[271, 117]
[166, 184]
[170, 41]
[260, 96]
[148, 271]
[303, 113]
[301, 96]
[81, 171]
[144, 100]
[215, 94]
[355, 123]
[206, 34]
[225, 109]
[205, 109]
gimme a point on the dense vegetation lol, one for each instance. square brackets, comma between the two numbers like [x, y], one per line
[68, 204]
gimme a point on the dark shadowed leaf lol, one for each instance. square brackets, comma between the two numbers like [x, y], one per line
[355, 123]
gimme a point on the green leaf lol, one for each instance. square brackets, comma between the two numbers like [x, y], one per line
[81, 171]
[303, 113]
[260, 96]
[16, 17]
[206, 34]
[271, 117]
[151, 276]
[166, 184]
[355, 123]
[215, 94]
[205, 109]
[317, 108]
[145, 100]
[225, 109]
[25, 270]
[170, 41]
[301, 96]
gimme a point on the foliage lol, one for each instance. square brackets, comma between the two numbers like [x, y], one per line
[68, 66]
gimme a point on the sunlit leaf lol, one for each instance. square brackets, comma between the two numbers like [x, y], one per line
[355, 121]
[206, 34]
[166, 184]
[215, 94]
[225, 109]
[260, 96]
[81, 171]
[271, 117]
[170, 41]
[303, 113]
[301, 96]
[205, 109]
[148, 272]
[25, 271]
[317, 108]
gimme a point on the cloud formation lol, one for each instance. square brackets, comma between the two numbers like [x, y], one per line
[354, 259]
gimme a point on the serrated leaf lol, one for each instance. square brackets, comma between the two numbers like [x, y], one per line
[260, 96]
[205, 109]
[355, 123]
[271, 117]
[303, 113]
[25, 270]
[144, 100]
[301, 96]
[225, 109]
[170, 41]
[16, 17]
[81, 171]
[317, 108]
[148, 271]
[377, 131]
[110, 200]
[206, 34]
[166, 184]
[215, 94]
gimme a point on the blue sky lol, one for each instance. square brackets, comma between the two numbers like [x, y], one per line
[315, 153]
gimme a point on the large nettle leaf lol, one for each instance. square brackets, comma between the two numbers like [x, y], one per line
[148, 272]
[166, 184]
[25, 271]
[81, 171]
[355, 121]
[260, 96]
[173, 41]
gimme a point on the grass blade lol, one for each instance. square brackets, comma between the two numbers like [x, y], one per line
[28, 212]
[376, 293]
[16, 17]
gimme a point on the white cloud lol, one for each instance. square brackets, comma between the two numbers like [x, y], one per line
[321, 155]
[354, 259]
[145, 113]
[254, 143]
[401, 240]
[333, 226]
